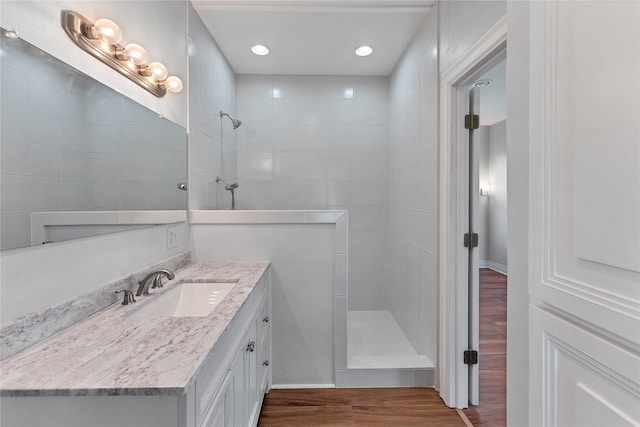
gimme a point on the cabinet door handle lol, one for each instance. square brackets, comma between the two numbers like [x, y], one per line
[265, 363]
[266, 319]
[251, 346]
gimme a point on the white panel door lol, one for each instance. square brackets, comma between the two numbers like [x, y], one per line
[585, 214]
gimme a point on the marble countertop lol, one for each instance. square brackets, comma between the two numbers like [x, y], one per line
[110, 353]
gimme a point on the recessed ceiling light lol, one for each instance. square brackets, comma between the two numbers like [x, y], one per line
[482, 83]
[260, 49]
[364, 50]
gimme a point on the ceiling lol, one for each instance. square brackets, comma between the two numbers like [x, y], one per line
[493, 98]
[313, 37]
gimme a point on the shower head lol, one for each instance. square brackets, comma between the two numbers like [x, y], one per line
[227, 186]
[236, 123]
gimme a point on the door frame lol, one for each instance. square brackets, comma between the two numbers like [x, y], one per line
[453, 313]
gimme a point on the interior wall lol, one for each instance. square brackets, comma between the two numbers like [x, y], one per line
[492, 147]
[497, 254]
[212, 141]
[320, 142]
[518, 113]
[302, 260]
[413, 187]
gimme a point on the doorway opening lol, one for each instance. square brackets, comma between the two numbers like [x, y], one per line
[487, 259]
[459, 260]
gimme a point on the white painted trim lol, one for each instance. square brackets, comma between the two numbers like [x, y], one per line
[452, 333]
[502, 269]
[298, 386]
[265, 217]
[41, 220]
[362, 6]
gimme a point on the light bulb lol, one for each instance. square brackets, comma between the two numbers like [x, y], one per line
[364, 50]
[136, 53]
[158, 71]
[260, 49]
[108, 30]
[173, 84]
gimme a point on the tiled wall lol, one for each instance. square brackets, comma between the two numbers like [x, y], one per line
[412, 219]
[320, 142]
[212, 88]
[69, 143]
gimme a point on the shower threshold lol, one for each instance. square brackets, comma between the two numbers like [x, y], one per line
[376, 341]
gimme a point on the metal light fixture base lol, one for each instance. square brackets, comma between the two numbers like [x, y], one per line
[75, 26]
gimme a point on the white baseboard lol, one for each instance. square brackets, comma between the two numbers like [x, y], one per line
[286, 386]
[494, 266]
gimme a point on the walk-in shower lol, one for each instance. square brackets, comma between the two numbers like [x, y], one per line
[236, 123]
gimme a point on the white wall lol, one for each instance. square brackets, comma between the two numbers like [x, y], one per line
[319, 142]
[411, 239]
[212, 88]
[302, 259]
[37, 277]
[158, 26]
[518, 212]
[492, 150]
[462, 23]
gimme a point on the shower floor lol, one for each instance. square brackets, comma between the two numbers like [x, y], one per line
[375, 340]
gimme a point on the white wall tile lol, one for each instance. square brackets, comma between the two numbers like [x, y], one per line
[15, 157]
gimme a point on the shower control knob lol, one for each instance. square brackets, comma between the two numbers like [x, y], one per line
[266, 319]
[265, 363]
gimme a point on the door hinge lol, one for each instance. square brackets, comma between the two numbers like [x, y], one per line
[470, 357]
[471, 240]
[471, 121]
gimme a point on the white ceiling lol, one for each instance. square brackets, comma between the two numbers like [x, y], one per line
[493, 98]
[313, 37]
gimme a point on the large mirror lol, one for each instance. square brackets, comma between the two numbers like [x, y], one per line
[78, 158]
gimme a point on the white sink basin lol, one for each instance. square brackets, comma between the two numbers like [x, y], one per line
[187, 299]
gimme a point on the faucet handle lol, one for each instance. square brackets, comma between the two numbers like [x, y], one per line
[128, 296]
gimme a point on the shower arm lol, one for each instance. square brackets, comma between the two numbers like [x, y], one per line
[236, 123]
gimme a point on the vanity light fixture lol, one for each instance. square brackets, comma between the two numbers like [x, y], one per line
[364, 50]
[102, 40]
[260, 49]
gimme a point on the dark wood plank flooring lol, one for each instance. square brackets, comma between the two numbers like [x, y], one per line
[409, 406]
[357, 407]
[492, 410]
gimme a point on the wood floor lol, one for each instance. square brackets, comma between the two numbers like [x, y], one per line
[357, 407]
[492, 410]
[409, 406]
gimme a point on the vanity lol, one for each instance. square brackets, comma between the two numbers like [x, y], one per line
[144, 365]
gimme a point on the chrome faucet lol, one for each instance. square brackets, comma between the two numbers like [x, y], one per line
[143, 289]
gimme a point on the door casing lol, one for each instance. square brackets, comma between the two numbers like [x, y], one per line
[453, 329]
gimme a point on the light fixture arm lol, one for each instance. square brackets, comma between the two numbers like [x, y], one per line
[77, 28]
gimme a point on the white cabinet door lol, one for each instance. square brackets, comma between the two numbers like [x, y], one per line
[237, 380]
[585, 213]
[251, 376]
[221, 412]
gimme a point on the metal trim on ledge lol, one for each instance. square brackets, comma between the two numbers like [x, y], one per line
[73, 23]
